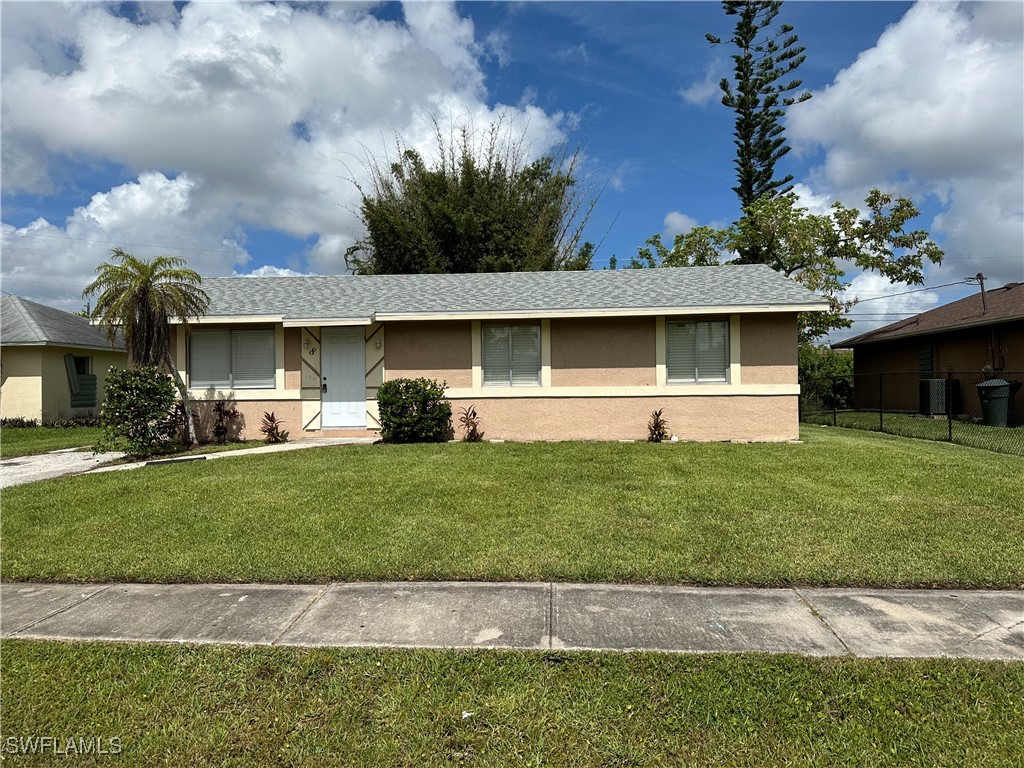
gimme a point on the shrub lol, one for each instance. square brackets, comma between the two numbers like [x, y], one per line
[470, 422]
[226, 415]
[271, 428]
[657, 427]
[138, 412]
[18, 422]
[414, 411]
[74, 421]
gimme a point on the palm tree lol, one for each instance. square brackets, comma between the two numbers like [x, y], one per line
[140, 298]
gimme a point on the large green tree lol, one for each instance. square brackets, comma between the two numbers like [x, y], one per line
[813, 249]
[758, 95]
[139, 299]
[480, 207]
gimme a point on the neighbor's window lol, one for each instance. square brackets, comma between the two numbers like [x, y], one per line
[511, 354]
[239, 359]
[83, 365]
[697, 351]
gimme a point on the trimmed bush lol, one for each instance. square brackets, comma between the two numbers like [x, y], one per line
[138, 412]
[414, 411]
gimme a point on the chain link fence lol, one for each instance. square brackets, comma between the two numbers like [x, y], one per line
[982, 410]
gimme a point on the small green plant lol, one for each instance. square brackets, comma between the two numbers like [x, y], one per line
[470, 422]
[73, 422]
[271, 429]
[414, 411]
[138, 412]
[226, 414]
[18, 422]
[657, 427]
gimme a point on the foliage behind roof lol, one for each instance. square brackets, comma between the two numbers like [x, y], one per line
[26, 323]
[1004, 304]
[363, 296]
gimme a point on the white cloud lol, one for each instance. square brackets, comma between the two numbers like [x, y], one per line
[495, 46]
[702, 92]
[153, 216]
[577, 54]
[935, 108]
[268, 111]
[817, 205]
[268, 270]
[676, 223]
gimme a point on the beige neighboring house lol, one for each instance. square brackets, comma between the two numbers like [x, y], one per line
[542, 355]
[53, 363]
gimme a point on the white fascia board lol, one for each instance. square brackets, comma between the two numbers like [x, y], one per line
[327, 321]
[232, 319]
[600, 312]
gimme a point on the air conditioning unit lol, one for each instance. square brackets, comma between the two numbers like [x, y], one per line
[933, 396]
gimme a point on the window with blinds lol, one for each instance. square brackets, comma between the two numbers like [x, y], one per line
[239, 359]
[511, 354]
[697, 351]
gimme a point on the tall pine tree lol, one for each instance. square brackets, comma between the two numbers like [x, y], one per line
[758, 96]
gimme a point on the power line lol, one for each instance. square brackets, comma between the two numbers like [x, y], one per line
[905, 293]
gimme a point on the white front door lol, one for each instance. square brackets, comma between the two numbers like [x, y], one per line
[343, 366]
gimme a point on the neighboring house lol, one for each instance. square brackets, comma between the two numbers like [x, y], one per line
[53, 363]
[542, 355]
[965, 336]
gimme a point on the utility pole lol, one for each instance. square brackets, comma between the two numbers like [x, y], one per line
[984, 300]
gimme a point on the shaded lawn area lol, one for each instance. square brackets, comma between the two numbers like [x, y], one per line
[191, 705]
[22, 441]
[1002, 439]
[844, 508]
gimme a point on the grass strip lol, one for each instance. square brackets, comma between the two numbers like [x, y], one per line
[222, 706]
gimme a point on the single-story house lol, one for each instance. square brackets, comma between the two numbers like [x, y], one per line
[542, 355]
[53, 363]
[977, 334]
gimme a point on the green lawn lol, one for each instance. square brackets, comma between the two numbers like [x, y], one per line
[182, 705]
[1001, 439]
[844, 508]
[17, 441]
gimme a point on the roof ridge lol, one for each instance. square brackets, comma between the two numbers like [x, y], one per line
[29, 317]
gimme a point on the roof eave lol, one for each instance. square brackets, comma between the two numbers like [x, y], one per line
[68, 344]
[857, 341]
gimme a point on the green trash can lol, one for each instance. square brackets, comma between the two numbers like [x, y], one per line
[995, 402]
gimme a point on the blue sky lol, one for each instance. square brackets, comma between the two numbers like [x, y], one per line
[232, 134]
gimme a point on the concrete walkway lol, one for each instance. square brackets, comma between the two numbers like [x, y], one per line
[541, 616]
[297, 445]
[75, 461]
[44, 466]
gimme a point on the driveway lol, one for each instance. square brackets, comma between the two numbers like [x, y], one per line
[43, 466]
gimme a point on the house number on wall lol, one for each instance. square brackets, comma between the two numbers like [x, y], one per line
[312, 351]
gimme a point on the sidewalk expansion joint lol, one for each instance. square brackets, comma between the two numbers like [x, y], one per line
[821, 619]
[61, 610]
[303, 612]
[551, 615]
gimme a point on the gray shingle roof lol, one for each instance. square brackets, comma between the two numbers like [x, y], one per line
[23, 322]
[363, 296]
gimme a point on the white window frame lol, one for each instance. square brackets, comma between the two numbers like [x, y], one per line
[698, 379]
[194, 384]
[540, 354]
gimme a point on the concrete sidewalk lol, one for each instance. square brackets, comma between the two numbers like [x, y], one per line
[814, 622]
[293, 445]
